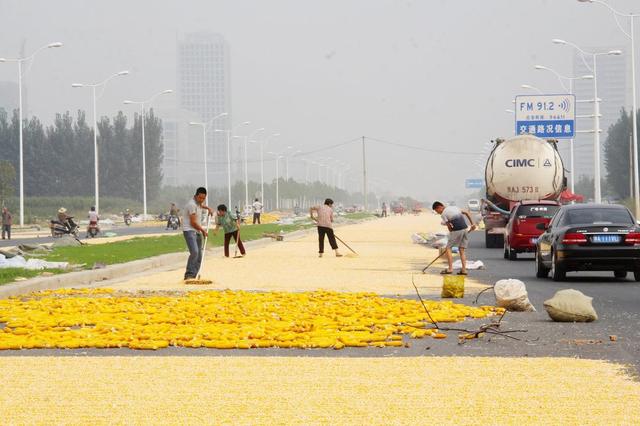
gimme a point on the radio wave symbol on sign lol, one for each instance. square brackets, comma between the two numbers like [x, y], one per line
[565, 105]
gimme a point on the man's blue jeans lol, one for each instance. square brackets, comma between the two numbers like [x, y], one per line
[194, 244]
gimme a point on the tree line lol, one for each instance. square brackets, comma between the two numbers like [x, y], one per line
[59, 158]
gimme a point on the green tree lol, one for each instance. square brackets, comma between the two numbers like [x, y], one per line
[617, 149]
[7, 181]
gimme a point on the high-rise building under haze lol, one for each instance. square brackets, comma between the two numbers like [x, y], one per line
[614, 90]
[203, 87]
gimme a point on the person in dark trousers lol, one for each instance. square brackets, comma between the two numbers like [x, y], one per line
[7, 222]
[193, 231]
[257, 211]
[324, 219]
[384, 209]
[231, 227]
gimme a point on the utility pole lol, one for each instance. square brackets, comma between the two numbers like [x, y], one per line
[364, 176]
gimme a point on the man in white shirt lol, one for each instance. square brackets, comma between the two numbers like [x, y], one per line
[257, 211]
[193, 231]
[454, 219]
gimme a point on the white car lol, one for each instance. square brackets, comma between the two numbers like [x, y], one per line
[474, 205]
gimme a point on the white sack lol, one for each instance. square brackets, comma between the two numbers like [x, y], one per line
[511, 294]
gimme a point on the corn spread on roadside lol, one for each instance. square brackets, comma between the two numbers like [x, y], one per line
[274, 390]
[102, 318]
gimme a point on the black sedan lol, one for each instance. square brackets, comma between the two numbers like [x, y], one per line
[589, 237]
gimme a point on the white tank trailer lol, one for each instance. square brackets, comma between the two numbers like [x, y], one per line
[521, 168]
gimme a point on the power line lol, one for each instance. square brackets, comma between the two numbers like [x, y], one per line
[419, 148]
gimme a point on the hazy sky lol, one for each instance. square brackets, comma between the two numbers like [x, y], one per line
[433, 73]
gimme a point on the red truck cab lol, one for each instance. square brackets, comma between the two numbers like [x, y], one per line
[521, 232]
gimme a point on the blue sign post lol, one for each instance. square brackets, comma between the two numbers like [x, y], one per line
[546, 116]
[473, 183]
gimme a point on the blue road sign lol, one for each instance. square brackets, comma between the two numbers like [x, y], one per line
[546, 116]
[474, 183]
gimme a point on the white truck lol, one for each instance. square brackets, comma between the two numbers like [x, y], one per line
[524, 167]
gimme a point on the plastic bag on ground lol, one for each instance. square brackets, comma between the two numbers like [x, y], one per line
[511, 294]
[471, 264]
[570, 306]
[417, 239]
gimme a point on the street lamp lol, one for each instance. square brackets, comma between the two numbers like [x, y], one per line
[19, 61]
[204, 143]
[278, 157]
[530, 87]
[144, 155]
[262, 143]
[228, 132]
[93, 87]
[596, 110]
[561, 79]
[634, 118]
[246, 172]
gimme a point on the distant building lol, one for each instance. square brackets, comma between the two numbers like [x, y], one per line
[182, 163]
[614, 88]
[204, 89]
[8, 96]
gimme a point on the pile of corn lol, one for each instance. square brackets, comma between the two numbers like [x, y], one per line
[102, 318]
[269, 218]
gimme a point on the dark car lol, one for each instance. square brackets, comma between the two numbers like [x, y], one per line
[593, 237]
[521, 232]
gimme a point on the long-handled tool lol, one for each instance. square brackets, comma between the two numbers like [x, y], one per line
[424, 270]
[197, 280]
[235, 255]
[345, 244]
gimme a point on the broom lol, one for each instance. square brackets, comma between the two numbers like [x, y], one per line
[345, 244]
[235, 255]
[197, 280]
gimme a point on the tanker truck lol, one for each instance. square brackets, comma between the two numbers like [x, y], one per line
[524, 167]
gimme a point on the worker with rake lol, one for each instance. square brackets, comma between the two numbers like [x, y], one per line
[193, 231]
[324, 219]
[454, 219]
[231, 226]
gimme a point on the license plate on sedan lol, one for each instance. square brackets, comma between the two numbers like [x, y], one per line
[605, 239]
[534, 241]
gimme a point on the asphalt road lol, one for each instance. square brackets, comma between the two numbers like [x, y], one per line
[617, 303]
[119, 230]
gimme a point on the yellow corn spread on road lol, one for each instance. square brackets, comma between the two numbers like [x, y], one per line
[102, 318]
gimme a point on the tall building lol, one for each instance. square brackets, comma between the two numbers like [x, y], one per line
[204, 89]
[614, 90]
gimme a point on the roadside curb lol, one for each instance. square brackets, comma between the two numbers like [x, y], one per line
[120, 271]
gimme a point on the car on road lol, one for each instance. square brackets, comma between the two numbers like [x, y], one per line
[589, 237]
[473, 205]
[521, 232]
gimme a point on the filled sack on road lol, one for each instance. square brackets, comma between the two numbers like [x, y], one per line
[570, 306]
[512, 295]
[452, 286]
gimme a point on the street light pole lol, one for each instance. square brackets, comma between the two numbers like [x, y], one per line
[597, 192]
[204, 143]
[144, 151]
[246, 166]
[634, 118]
[21, 150]
[93, 87]
[228, 132]
[570, 89]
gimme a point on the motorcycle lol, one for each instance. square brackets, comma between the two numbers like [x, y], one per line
[93, 230]
[127, 219]
[173, 222]
[66, 227]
